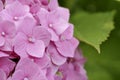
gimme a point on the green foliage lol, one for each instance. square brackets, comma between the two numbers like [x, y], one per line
[93, 28]
[104, 66]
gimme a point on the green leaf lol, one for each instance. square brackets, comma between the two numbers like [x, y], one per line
[104, 66]
[93, 28]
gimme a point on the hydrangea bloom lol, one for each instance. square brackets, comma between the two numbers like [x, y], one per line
[37, 42]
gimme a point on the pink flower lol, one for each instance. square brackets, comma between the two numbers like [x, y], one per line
[28, 70]
[53, 21]
[15, 12]
[31, 40]
[7, 33]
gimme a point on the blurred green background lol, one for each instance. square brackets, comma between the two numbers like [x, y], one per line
[106, 65]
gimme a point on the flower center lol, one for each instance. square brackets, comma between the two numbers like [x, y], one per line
[26, 78]
[3, 33]
[31, 39]
[50, 25]
[16, 18]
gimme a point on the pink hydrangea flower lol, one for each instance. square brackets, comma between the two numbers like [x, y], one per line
[37, 42]
[30, 41]
[15, 12]
[53, 21]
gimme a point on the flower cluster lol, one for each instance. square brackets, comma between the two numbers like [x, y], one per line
[37, 43]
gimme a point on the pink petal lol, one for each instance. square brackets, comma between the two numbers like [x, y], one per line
[28, 2]
[28, 69]
[26, 25]
[36, 49]
[42, 62]
[2, 54]
[18, 75]
[17, 9]
[9, 29]
[20, 44]
[55, 56]
[41, 33]
[2, 41]
[64, 13]
[42, 15]
[8, 46]
[67, 47]
[7, 65]
[60, 26]
[68, 33]
[2, 75]
[9, 78]
[54, 36]
[53, 4]
[1, 5]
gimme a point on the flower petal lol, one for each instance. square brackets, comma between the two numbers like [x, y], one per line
[64, 13]
[67, 47]
[18, 75]
[17, 9]
[54, 36]
[42, 16]
[60, 26]
[2, 54]
[9, 29]
[2, 41]
[20, 44]
[30, 71]
[2, 75]
[53, 4]
[41, 33]
[26, 25]
[68, 33]
[36, 49]
[55, 56]
[8, 46]
[42, 62]
[1, 5]
[7, 65]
